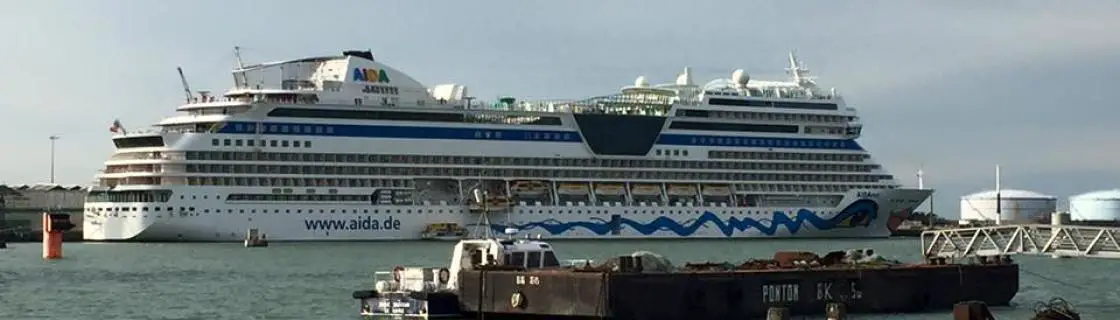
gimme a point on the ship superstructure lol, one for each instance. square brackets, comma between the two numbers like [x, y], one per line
[348, 148]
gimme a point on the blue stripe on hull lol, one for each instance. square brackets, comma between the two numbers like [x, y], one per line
[860, 213]
[448, 133]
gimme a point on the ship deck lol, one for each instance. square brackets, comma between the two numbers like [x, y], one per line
[734, 294]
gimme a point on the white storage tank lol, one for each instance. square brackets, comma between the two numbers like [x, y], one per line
[1016, 206]
[1101, 205]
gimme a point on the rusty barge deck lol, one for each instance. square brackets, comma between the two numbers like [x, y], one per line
[523, 279]
[736, 294]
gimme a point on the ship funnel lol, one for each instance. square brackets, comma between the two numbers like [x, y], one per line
[368, 55]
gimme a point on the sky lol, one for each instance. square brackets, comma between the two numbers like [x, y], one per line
[952, 87]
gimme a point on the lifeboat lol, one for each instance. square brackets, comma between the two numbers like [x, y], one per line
[494, 203]
[572, 188]
[610, 189]
[715, 190]
[528, 187]
[444, 231]
[682, 189]
[645, 189]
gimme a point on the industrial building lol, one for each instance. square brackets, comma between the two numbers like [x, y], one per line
[1095, 206]
[1016, 206]
[22, 206]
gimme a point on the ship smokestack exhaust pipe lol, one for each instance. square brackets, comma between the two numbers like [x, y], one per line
[367, 54]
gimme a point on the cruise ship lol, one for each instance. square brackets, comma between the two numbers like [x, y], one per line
[347, 148]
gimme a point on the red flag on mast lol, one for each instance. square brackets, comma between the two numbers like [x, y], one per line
[116, 126]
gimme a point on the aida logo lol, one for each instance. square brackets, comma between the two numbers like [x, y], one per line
[370, 75]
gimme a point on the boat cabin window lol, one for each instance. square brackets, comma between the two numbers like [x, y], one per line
[476, 257]
[550, 260]
[534, 260]
[516, 259]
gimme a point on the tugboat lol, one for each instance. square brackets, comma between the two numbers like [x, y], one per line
[427, 293]
[444, 231]
[253, 239]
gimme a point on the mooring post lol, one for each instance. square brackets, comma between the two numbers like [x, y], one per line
[777, 313]
[53, 227]
[836, 311]
[1057, 219]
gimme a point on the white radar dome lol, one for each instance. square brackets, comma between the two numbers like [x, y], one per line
[641, 82]
[740, 77]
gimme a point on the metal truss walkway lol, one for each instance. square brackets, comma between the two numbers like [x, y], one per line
[1030, 239]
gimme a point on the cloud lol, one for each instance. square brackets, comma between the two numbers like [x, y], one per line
[946, 42]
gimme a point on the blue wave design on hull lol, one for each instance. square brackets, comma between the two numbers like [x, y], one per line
[858, 214]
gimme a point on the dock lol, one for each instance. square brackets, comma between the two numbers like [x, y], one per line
[1057, 239]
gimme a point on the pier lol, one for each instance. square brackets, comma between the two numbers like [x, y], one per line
[1056, 239]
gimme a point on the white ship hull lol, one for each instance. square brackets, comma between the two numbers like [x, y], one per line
[215, 220]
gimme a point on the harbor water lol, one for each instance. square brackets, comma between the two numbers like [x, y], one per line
[314, 280]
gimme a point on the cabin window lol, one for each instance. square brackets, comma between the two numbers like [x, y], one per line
[534, 260]
[550, 260]
[517, 259]
[476, 257]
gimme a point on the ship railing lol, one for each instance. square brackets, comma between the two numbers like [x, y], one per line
[590, 104]
[146, 156]
[155, 132]
[206, 103]
[779, 90]
[139, 132]
[217, 100]
[577, 262]
[1028, 239]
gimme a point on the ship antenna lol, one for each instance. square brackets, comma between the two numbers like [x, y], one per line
[486, 219]
[240, 75]
[921, 185]
[481, 198]
[237, 54]
[999, 201]
[794, 69]
[798, 72]
[186, 87]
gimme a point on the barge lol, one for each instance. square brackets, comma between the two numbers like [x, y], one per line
[523, 279]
